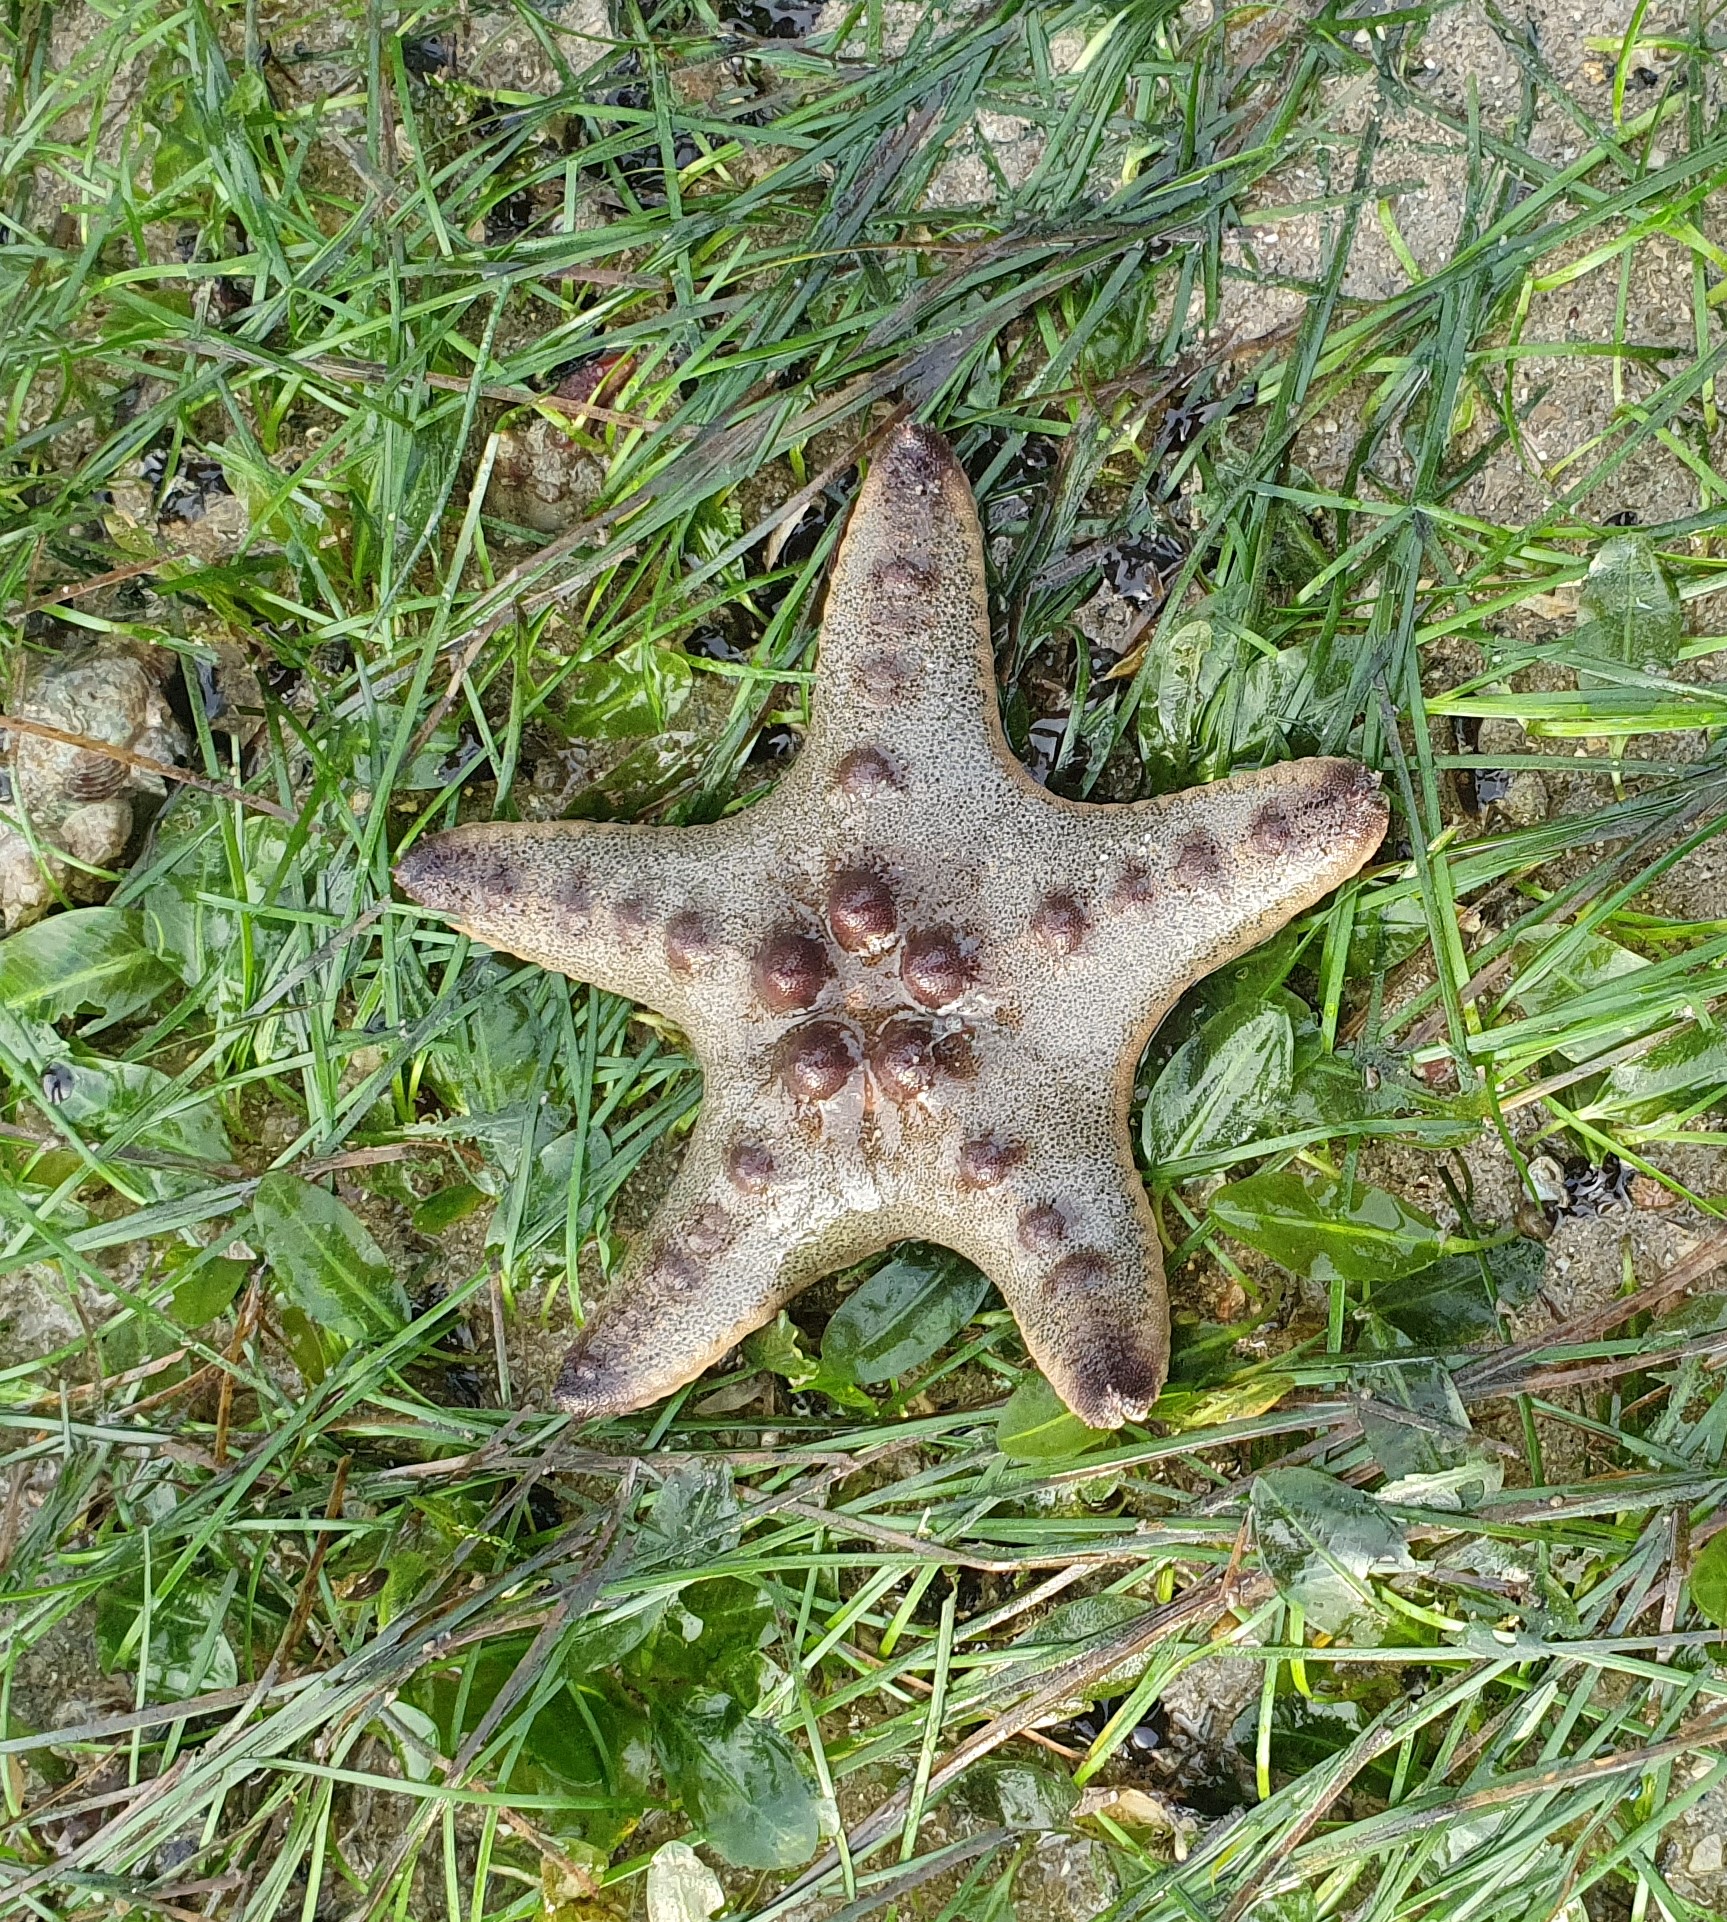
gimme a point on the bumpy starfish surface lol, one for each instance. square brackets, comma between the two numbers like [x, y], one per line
[917, 983]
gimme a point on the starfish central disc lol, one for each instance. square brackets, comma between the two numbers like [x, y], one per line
[917, 983]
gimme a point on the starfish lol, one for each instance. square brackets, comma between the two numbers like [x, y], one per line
[917, 983]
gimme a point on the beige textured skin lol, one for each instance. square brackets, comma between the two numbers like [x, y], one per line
[947, 1048]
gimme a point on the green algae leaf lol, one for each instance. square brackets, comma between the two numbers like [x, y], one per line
[205, 1285]
[1320, 1540]
[739, 1780]
[1452, 1303]
[89, 958]
[1328, 1230]
[1076, 1627]
[626, 695]
[130, 1099]
[1628, 610]
[1036, 1425]
[778, 1349]
[1020, 1795]
[1221, 1084]
[695, 1516]
[327, 1263]
[907, 1311]
[1709, 1578]
[1583, 967]
[180, 1642]
[1674, 1074]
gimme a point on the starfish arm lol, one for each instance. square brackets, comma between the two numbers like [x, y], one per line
[1057, 1217]
[1096, 1321]
[1232, 862]
[1164, 891]
[754, 1214]
[907, 686]
[665, 916]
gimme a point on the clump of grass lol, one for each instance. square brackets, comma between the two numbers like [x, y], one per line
[292, 1176]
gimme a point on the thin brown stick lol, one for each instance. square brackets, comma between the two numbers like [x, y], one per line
[308, 1595]
[165, 769]
[76, 590]
[244, 1323]
[1486, 1376]
[14, 1510]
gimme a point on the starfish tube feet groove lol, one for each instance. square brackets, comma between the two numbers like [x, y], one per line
[918, 984]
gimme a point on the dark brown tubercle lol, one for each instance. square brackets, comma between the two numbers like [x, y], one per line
[987, 1160]
[1076, 1274]
[903, 1059]
[1042, 1228]
[790, 971]
[749, 1167]
[866, 772]
[861, 910]
[1059, 922]
[690, 943]
[816, 1061]
[1198, 862]
[937, 967]
[904, 578]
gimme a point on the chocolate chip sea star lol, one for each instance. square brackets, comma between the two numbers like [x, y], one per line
[917, 983]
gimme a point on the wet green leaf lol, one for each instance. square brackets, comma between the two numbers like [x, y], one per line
[1675, 1073]
[1220, 1085]
[326, 1261]
[89, 958]
[183, 1647]
[588, 1743]
[208, 1286]
[1304, 1734]
[408, 1570]
[1424, 1390]
[1035, 1425]
[127, 1099]
[739, 1779]
[626, 695]
[307, 1349]
[1588, 964]
[1289, 1905]
[1336, 1091]
[1388, 927]
[1020, 1795]
[1327, 1230]
[188, 902]
[1186, 667]
[778, 1349]
[494, 1059]
[1451, 1303]
[1709, 1578]
[711, 1636]
[1072, 1627]
[547, 1205]
[1182, 1408]
[665, 764]
[1628, 610]
[907, 1311]
[372, 739]
[694, 1516]
[446, 1206]
[1319, 1541]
